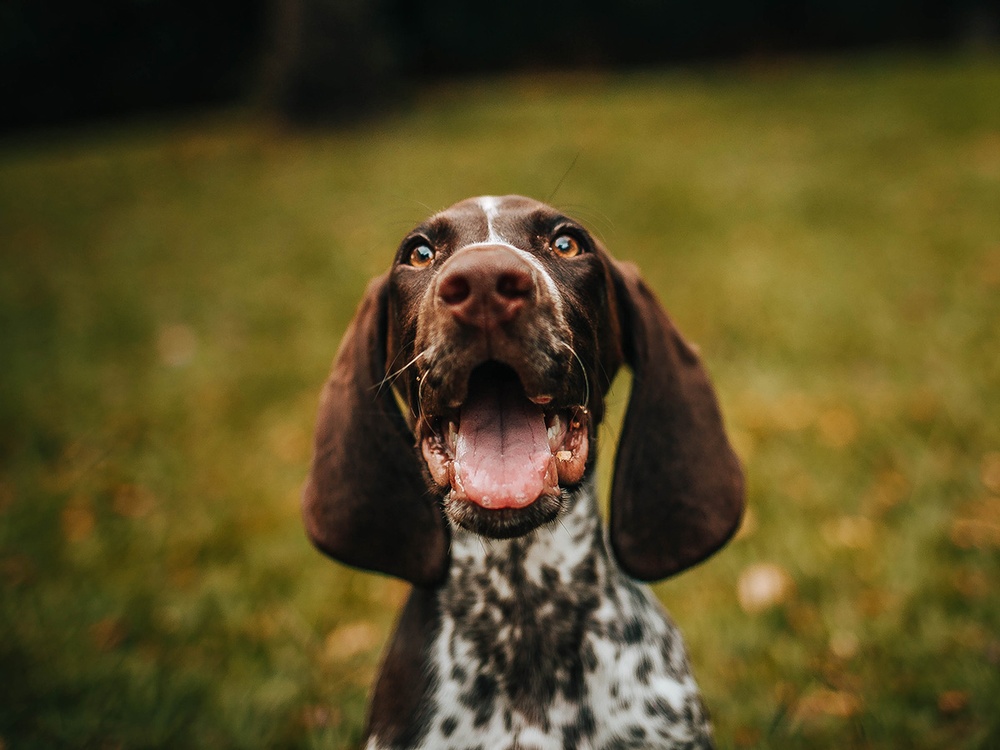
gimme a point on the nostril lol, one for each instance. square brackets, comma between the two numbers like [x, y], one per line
[454, 289]
[513, 285]
[483, 287]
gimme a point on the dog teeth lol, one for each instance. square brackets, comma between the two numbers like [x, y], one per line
[555, 431]
[451, 437]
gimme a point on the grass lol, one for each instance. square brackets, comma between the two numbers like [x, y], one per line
[171, 295]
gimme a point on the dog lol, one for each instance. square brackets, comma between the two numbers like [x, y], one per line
[455, 449]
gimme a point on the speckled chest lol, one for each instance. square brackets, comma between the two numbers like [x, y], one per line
[543, 643]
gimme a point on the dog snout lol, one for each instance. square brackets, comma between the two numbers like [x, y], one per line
[485, 286]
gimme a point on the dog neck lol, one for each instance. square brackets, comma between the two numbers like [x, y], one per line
[542, 639]
[515, 609]
[548, 555]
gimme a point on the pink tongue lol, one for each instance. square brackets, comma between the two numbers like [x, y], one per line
[502, 451]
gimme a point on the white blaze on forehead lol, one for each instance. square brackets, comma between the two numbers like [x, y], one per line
[491, 208]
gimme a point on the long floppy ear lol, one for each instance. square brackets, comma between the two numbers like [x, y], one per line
[366, 502]
[677, 494]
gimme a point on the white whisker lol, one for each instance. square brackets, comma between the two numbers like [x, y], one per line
[403, 369]
[586, 380]
[393, 375]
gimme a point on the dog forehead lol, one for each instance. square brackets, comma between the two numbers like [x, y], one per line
[488, 218]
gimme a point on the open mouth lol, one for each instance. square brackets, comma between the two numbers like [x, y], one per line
[505, 456]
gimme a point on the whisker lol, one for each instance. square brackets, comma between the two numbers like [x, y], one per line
[418, 416]
[393, 375]
[561, 522]
[565, 175]
[401, 370]
[394, 360]
[586, 379]
[601, 224]
[378, 388]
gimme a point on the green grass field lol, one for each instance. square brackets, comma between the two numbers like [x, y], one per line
[171, 295]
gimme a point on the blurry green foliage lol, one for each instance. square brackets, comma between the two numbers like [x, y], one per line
[171, 297]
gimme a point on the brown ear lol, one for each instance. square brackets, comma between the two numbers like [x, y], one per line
[366, 502]
[677, 494]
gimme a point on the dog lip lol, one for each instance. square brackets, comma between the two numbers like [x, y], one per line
[568, 433]
[443, 403]
[505, 523]
[498, 483]
[443, 389]
[560, 424]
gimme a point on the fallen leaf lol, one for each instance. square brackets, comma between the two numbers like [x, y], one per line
[972, 584]
[952, 701]
[923, 405]
[793, 412]
[176, 344]
[888, 490]
[838, 427]
[321, 717]
[852, 532]
[971, 533]
[350, 640]
[989, 471]
[977, 525]
[844, 644]
[16, 570]
[77, 519]
[133, 501]
[763, 585]
[6, 499]
[747, 736]
[290, 441]
[874, 602]
[824, 702]
[108, 633]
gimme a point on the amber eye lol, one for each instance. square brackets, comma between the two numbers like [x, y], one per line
[566, 246]
[422, 256]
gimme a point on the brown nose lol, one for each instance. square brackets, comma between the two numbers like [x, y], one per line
[485, 285]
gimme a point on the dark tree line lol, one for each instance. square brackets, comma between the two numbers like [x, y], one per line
[330, 59]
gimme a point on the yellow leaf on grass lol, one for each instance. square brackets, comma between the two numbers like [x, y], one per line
[763, 585]
[977, 525]
[989, 471]
[952, 701]
[351, 639]
[824, 702]
[838, 427]
[176, 344]
[852, 532]
[77, 519]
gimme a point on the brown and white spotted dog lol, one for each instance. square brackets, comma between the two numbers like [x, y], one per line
[498, 329]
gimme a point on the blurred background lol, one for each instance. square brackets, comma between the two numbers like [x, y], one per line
[193, 196]
[329, 60]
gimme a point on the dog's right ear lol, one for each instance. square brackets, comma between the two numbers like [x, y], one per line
[366, 502]
[678, 491]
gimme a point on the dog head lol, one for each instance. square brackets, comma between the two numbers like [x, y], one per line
[498, 329]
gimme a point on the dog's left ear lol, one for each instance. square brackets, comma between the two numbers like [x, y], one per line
[366, 502]
[677, 494]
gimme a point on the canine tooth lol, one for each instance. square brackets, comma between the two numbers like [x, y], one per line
[451, 436]
[555, 431]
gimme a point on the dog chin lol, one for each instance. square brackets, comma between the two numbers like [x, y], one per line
[503, 523]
